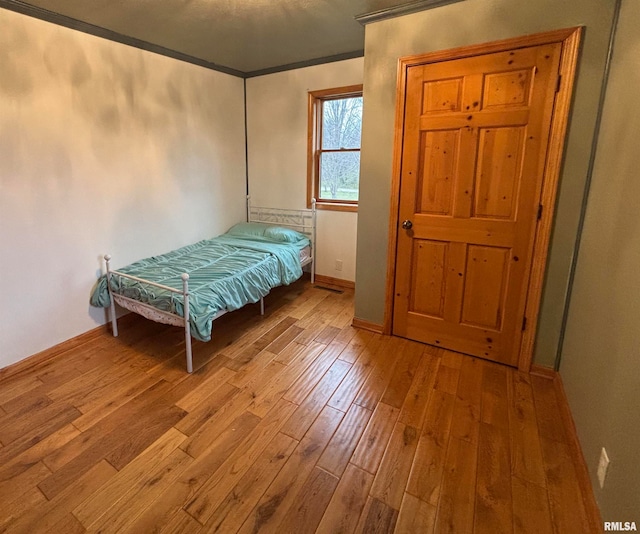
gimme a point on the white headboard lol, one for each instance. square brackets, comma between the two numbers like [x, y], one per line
[304, 221]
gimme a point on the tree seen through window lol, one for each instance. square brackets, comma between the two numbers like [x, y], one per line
[339, 154]
[333, 148]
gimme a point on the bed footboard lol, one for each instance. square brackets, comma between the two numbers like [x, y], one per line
[154, 314]
[148, 311]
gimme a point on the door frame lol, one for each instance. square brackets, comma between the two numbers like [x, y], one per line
[570, 39]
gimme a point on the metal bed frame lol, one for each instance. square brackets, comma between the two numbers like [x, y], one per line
[304, 221]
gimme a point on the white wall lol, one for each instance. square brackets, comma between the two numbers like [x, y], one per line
[103, 148]
[277, 142]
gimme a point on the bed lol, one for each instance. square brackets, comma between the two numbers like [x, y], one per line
[194, 285]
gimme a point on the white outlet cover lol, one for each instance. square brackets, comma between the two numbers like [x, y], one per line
[603, 465]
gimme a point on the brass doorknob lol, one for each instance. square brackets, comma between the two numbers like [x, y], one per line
[407, 225]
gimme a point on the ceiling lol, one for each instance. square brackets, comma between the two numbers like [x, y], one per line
[242, 37]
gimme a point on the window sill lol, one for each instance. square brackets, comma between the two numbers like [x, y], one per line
[336, 206]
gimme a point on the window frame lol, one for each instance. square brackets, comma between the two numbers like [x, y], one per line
[314, 147]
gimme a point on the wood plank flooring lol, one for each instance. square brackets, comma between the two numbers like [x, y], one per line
[292, 422]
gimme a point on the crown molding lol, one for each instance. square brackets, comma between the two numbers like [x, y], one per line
[404, 9]
[306, 63]
[98, 31]
[46, 15]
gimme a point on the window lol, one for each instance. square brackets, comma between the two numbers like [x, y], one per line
[335, 126]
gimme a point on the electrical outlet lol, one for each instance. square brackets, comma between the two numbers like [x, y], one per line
[338, 265]
[603, 465]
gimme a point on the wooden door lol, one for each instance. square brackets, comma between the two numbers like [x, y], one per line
[475, 141]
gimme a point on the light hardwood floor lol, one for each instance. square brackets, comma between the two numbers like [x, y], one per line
[292, 422]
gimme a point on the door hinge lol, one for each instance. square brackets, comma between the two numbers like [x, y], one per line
[559, 82]
[539, 211]
[524, 323]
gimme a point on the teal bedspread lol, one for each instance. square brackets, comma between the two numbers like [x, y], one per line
[225, 273]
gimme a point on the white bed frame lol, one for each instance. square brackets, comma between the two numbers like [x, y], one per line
[304, 221]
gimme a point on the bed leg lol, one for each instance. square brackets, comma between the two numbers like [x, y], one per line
[112, 308]
[187, 326]
[114, 319]
[261, 306]
[187, 338]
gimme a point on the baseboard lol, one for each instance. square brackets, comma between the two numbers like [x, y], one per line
[334, 282]
[543, 372]
[40, 358]
[367, 325]
[582, 472]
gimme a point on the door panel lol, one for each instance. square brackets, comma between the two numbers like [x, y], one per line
[439, 153]
[429, 277]
[442, 95]
[473, 154]
[486, 275]
[498, 172]
[510, 88]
